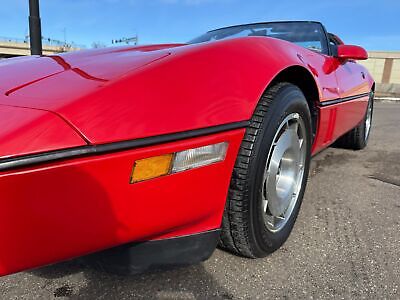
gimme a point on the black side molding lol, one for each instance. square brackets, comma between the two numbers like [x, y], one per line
[28, 160]
[341, 100]
[137, 258]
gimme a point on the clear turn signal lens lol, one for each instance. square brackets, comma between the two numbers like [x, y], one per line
[198, 157]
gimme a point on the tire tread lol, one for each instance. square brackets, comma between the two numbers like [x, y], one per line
[235, 223]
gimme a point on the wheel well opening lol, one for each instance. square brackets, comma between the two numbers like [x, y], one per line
[302, 78]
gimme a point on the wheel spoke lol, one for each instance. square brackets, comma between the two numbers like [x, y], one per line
[295, 126]
[265, 206]
[301, 143]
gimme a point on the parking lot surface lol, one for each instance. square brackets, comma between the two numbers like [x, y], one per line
[345, 244]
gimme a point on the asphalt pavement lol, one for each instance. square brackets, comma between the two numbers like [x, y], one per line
[345, 244]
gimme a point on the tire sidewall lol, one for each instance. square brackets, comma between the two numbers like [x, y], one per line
[362, 140]
[289, 99]
[370, 102]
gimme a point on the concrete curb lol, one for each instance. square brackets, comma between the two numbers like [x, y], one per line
[387, 99]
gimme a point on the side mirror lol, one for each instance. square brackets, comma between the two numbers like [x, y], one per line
[351, 52]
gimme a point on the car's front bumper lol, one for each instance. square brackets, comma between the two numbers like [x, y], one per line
[67, 208]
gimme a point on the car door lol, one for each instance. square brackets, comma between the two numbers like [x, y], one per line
[353, 89]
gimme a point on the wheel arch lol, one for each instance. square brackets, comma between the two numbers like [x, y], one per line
[302, 78]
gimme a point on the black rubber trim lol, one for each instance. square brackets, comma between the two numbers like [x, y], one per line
[28, 160]
[341, 100]
[138, 257]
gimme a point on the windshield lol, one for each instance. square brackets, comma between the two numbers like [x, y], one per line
[309, 35]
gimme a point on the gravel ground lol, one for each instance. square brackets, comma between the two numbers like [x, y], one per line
[345, 244]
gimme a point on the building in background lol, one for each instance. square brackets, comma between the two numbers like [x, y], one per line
[12, 47]
[385, 68]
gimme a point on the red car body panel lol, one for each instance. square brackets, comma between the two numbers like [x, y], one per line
[76, 207]
[59, 210]
[335, 120]
[28, 131]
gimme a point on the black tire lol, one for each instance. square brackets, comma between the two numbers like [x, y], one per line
[243, 228]
[357, 139]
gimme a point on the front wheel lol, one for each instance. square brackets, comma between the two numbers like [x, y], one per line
[270, 174]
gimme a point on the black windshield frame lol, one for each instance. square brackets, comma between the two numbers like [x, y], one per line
[325, 48]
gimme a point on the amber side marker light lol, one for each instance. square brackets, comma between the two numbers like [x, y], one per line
[157, 166]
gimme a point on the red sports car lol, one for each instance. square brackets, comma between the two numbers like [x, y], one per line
[152, 155]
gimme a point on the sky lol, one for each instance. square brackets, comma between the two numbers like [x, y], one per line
[373, 24]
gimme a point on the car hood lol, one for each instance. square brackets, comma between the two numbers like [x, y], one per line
[25, 131]
[65, 84]
[97, 66]
[129, 93]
